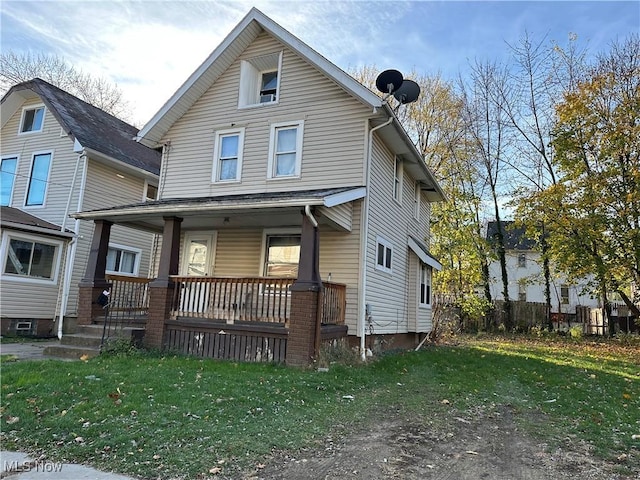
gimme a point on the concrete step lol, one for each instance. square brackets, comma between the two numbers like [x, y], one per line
[70, 351]
[81, 340]
[96, 330]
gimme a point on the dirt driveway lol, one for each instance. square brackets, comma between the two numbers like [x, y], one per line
[484, 445]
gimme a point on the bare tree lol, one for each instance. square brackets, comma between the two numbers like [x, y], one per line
[488, 127]
[21, 67]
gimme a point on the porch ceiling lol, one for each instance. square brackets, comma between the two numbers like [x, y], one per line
[261, 210]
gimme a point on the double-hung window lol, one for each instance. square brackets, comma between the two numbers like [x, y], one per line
[416, 201]
[425, 284]
[31, 258]
[397, 180]
[227, 162]
[384, 252]
[564, 294]
[285, 150]
[123, 260]
[32, 119]
[39, 179]
[8, 167]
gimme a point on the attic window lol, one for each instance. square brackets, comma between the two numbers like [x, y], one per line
[260, 80]
[32, 119]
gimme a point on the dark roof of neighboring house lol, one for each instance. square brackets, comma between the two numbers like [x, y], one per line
[93, 128]
[515, 237]
[15, 218]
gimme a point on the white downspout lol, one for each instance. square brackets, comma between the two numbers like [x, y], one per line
[363, 243]
[71, 248]
[307, 212]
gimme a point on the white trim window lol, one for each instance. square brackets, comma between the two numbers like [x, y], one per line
[150, 192]
[8, 167]
[123, 260]
[416, 201]
[227, 158]
[32, 120]
[260, 80]
[522, 260]
[564, 294]
[38, 179]
[397, 180]
[522, 292]
[384, 254]
[285, 149]
[425, 285]
[30, 258]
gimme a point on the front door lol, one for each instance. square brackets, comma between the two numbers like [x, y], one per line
[197, 261]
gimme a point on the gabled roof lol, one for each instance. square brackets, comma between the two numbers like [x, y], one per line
[515, 237]
[254, 23]
[94, 129]
[17, 219]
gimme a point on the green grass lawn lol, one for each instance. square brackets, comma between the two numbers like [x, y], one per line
[168, 417]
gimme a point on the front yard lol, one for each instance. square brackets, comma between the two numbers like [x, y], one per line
[543, 403]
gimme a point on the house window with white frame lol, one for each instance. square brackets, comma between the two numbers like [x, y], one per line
[31, 258]
[522, 260]
[564, 294]
[416, 201]
[8, 167]
[384, 253]
[260, 80]
[282, 255]
[397, 180]
[32, 119]
[285, 150]
[38, 179]
[227, 162]
[123, 260]
[150, 192]
[425, 284]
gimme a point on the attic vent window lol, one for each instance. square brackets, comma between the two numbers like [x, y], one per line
[32, 119]
[260, 80]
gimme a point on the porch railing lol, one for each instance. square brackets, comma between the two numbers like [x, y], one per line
[256, 299]
[129, 297]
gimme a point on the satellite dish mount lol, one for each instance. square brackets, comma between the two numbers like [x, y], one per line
[391, 82]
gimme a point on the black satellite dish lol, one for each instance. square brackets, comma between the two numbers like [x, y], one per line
[389, 81]
[408, 92]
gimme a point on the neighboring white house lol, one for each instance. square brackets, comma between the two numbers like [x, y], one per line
[266, 135]
[526, 275]
[60, 155]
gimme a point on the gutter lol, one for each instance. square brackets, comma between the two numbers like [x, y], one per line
[363, 243]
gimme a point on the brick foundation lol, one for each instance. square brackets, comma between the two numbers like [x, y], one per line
[88, 307]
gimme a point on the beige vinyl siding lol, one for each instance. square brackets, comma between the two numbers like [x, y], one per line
[238, 253]
[340, 257]
[332, 143]
[389, 294]
[63, 162]
[27, 299]
[338, 216]
[103, 188]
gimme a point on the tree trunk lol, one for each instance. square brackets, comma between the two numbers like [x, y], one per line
[547, 277]
[508, 323]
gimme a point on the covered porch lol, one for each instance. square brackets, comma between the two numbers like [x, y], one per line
[241, 317]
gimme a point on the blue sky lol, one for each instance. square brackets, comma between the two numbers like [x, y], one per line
[149, 48]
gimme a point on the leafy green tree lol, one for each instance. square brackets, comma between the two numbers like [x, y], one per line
[594, 209]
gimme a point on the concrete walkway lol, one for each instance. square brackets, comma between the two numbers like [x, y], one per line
[19, 466]
[28, 350]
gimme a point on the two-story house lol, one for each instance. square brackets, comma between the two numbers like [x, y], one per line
[282, 174]
[60, 155]
[526, 276]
